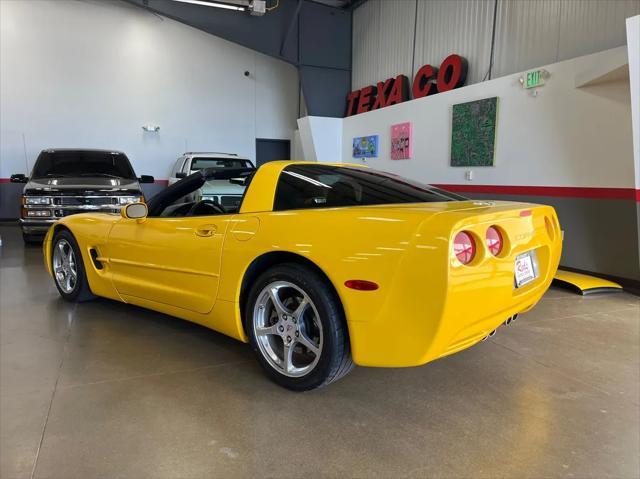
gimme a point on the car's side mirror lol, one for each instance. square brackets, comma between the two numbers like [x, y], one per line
[134, 211]
[146, 179]
[181, 174]
[19, 178]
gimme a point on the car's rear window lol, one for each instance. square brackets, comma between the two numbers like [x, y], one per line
[62, 163]
[202, 163]
[325, 186]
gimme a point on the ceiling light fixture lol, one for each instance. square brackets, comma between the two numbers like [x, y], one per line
[213, 4]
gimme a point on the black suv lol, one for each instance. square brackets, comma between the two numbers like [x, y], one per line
[68, 181]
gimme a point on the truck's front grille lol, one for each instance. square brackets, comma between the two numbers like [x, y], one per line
[61, 213]
[85, 200]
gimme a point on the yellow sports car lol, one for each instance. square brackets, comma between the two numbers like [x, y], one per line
[321, 267]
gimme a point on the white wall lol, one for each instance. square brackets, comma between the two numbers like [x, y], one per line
[566, 136]
[90, 73]
[321, 138]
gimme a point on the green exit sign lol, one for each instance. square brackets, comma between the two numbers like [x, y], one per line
[533, 79]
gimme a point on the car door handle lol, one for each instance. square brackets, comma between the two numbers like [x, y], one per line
[206, 230]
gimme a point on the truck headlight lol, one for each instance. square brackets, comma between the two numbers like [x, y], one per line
[37, 200]
[38, 213]
[125, 200]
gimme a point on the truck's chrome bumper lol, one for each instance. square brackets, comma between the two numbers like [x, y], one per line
[35, 226]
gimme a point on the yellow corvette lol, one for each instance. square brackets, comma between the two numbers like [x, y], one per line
[321, 266]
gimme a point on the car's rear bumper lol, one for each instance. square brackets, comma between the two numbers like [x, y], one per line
[436, 337]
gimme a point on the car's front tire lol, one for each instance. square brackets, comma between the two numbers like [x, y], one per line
[297, 328]
[68, 268]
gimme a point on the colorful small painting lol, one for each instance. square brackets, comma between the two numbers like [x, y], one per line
[473, 133]
[365, 147]
[401, 141]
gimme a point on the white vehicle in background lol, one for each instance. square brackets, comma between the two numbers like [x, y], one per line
[224, 193]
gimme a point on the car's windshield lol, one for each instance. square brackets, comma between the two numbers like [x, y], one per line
[219, 163]
[63, 163]
[325, 186]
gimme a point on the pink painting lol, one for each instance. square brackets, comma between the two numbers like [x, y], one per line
[401, 141]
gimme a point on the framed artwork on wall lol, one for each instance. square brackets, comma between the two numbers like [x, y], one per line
[401, 147]
[365, 146]
[473, 132]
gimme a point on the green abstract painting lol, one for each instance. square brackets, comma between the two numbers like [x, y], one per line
[473, 133]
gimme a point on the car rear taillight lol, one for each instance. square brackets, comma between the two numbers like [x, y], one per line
[464, 247]
[494, 240]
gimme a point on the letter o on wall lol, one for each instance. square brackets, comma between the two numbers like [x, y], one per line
[452, 74]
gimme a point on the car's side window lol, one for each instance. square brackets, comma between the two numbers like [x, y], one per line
[190, 205]
[295, 192]
[320, 186]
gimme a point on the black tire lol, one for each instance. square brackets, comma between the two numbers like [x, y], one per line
[81, 291]
[30, 239]
[335, 356]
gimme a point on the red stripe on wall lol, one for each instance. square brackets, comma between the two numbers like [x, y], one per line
[5, 180]
[555, 191]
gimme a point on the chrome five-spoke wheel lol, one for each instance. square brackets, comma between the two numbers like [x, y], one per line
[296, 327]
[288, 328]
[64, 266]
[68, 269]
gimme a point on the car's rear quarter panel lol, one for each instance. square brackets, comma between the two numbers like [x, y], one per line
[344, 243]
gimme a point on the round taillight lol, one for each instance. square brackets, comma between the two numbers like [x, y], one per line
[494, 241]
[464, 247]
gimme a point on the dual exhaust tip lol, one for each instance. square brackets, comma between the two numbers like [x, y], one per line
[507, 321]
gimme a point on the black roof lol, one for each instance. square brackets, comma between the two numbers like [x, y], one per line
[96, 150]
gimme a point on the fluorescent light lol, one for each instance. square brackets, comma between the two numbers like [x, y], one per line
[213, 4]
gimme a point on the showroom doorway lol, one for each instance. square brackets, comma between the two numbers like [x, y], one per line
[272, 150]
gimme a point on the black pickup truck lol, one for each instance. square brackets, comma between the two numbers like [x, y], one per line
[69, 181]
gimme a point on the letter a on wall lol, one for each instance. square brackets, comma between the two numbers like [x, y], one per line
[401, 141]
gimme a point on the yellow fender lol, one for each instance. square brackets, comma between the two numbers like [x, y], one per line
[585, 284]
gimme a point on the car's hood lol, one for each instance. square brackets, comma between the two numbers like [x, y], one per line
[83, 185]
[221, 187]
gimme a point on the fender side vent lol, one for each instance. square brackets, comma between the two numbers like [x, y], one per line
[94, 258]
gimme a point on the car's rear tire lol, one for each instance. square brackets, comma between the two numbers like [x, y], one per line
[68, 268]
[291, 308]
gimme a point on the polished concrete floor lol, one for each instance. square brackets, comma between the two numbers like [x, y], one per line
[103, 389]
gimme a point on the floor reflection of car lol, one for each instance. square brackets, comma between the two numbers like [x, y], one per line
[227, 195]
[69, 181]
